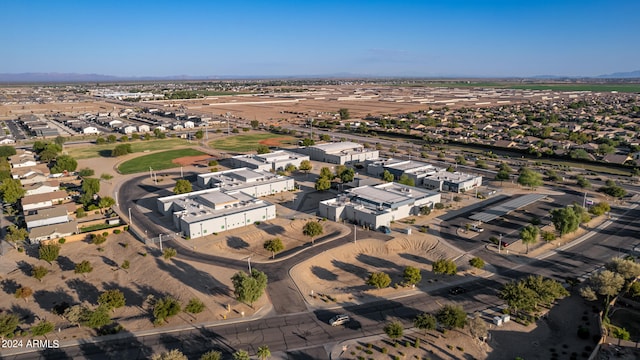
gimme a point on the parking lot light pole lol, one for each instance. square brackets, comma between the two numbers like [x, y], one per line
[500, 244]
[130, 222]
[160, 237]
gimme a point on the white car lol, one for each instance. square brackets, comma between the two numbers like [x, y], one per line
[339, 320]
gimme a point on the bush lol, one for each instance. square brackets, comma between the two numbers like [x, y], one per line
[168, 253]
[195, 306]
[98, 239]
[476, 262]
[417, 343]
[116, 231]
[62, 240]
[384, 350]
[83, 267]
[125, 264]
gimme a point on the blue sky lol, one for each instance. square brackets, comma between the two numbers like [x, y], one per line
[383, 38]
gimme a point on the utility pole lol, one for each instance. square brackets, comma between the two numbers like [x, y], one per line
[354, 233]
[500, 244]
[249, 262]
[160, 237]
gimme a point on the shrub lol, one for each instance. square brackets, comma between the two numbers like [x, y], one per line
[384, 350]
[83, 267]
[116, 231]
[62, 240]
[125, 264]
[98, 239]
[195, 306]
[417, 343]
[168, 253]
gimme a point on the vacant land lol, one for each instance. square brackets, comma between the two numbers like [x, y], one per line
[250, 142]
[85, 151]
[158, 161]
[626, 88]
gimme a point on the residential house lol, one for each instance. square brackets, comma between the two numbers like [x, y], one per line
[41, 201]
[54, 231]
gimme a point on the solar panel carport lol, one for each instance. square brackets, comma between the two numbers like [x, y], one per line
[505, 208]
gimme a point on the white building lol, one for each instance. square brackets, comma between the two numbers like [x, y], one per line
[6, 140]
[375, 206]
[205, 212]
[275, 160]
[129, 129]
[41, 187]
[452, 181]
[50, 216]
[23, 159]
[115, 123]
[189, 125]
[144, 128]
[41, 201]
[54, 231]
[339, 153]
[425, 175]
[252, 182]
[88, 130]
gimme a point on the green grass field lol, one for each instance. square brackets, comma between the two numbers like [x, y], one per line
[157, 161]
[92, 151]
[250, 142]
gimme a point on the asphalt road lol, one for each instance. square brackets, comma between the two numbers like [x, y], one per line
[303, 335]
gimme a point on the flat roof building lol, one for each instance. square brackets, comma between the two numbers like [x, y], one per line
[201, 213]
[379, 205]
[339, 153]
[275, 160]
[253, 182]
[426, 175]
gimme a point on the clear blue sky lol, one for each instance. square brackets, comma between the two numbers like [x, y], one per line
[409, 38]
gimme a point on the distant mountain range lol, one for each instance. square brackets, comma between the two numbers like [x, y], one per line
[71, 77]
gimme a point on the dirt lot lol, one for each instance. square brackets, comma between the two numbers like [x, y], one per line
[192, 160]
[148, 275]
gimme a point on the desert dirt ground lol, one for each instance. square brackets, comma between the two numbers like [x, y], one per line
[148, 274]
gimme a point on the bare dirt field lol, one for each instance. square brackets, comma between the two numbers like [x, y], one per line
[274, 142]
[148, 274]
[192, 160]
[15, 110]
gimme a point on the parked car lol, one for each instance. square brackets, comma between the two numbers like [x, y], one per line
[339, 320]
[385, 229]
[477, 228]
[504, 244]
[457, 290]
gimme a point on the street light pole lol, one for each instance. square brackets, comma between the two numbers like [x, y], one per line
[500, 244]
[160, 236]
[130, 222]
[249, 262]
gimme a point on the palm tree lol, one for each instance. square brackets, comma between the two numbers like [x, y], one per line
[264, 352]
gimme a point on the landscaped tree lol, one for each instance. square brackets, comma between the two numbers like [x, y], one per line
[165, 308]
[344, 114]
[90, 186]
[444, 266]
[379, 280]
[394, 330]
[96, 318]
[529, 178]
[83, 267]
[305, 166]
[273, 245]
[64, 163]
[263, 149]
[325, 172]
[600, 208]
[39, 272]
[502, 175]
[42, 328]
[112, 299]
[406, 180]
[312, 229]
[477, 262]
[49, 252]
[613, 189]
[583, 182]
[529, 235]
[461, 160]
[211, 355]
[241, 355]
[565, 220]
[11, 190]
[195, 306]
[106, 202]
[23, 292]
[527, 294]
[8, 324]
[16, 234]
[411, 275]
[123, 149]
[174, 354]
[627, 268]
[168, 253]
[387, 176]
[86, 172]
[451, 317]
[347, 175]
[182, 187]
[111, 138]
[478, 328]
[199, 134]
[263, 352]
[249, 288]
[75, 314]
[425, 321]
[322, 184]
[255, 124]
